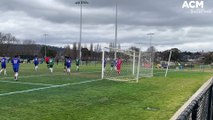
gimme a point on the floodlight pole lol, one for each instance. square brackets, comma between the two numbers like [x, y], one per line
[150, 38]
[80, 35]
[45, 49]
[116, 27]
[150, 44]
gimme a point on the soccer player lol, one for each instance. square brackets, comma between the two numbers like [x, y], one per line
[51, 64]
[119, 63]
[68, 64]
[105, 63]
[15, 63]
[112, 65]
[3, 65]
[77, 62]
[36, 62]
[47, 59]
[65, 68]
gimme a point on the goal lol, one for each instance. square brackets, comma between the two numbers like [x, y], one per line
[135, 65]
[111, 63]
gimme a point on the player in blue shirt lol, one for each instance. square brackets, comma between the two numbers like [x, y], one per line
[115, 64]
[68, 64]
[3, 65]
[15, 63]
[65, 67]
[112, 65]
[36, 62]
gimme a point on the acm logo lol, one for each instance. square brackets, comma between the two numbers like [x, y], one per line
[193, 4]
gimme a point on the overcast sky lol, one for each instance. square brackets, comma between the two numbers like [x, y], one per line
[173, 26]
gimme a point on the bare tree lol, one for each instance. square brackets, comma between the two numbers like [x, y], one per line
[67, 51]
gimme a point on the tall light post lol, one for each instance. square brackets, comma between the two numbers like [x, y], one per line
[116, 27]
[150, 38]
[81, 2]
[151, 51]
[45, 49]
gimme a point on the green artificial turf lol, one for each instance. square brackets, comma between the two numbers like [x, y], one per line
[156, 98]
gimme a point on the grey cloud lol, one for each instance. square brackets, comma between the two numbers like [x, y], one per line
[171, 24]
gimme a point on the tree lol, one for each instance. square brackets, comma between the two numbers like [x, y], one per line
[75, 52]
[91, 51]
[67, 51]
[50, 52]
[30, 47]
[135, 49]
[175, 55]
[208, 58]
[151, 49]
[85, 54]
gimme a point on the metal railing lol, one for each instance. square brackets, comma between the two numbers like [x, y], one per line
[201, 107]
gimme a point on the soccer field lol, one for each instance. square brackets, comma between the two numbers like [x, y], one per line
[84, 96]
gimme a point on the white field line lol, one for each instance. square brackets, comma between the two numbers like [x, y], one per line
[26, 83]
[30, 76]
[43, 88]
[119, 80]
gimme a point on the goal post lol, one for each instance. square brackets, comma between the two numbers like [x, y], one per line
[102, 73]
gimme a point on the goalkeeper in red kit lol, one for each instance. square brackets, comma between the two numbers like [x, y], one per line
[118, 65]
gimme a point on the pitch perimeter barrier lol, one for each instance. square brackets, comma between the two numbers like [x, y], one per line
[199, 106]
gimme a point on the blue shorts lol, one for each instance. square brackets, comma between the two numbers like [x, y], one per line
[3, 66]
[68, 66]
[36, 64]
[15, 69]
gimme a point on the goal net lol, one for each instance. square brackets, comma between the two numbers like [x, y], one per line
[118, 64]
[145, 64]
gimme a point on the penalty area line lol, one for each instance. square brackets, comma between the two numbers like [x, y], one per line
[31, 76]
[49, 87]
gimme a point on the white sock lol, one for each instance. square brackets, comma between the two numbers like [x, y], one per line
[68, 70]
[36, 68]
[5, 72]
[51, 70]
[16, 74]
[1, 71]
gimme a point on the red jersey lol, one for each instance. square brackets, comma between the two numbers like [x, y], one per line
[47, 59]
[119, 62]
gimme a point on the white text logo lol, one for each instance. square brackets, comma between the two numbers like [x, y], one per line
[193, 4]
